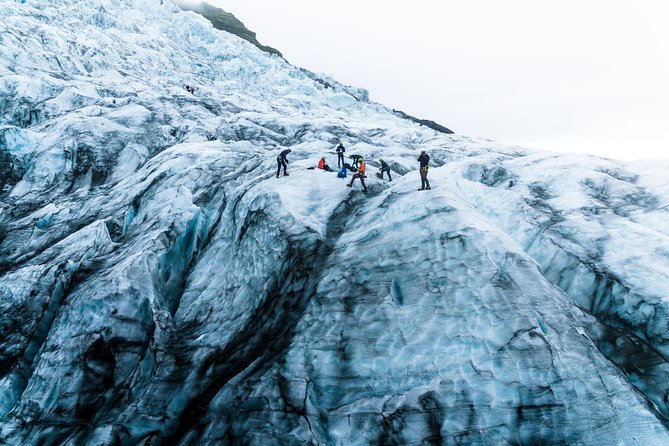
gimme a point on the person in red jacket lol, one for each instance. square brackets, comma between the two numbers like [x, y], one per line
[360, 174]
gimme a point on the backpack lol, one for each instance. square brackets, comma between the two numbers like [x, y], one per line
[342, 173]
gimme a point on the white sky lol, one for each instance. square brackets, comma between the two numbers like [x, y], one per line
[578, 76]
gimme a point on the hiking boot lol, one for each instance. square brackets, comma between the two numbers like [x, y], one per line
[349, 185]
[428, 188]
[286, 174]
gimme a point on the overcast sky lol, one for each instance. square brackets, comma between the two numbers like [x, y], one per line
[586, 76]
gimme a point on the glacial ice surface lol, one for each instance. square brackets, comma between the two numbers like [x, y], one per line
[158, 284]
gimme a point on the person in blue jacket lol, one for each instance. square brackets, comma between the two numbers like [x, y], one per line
[356, 160]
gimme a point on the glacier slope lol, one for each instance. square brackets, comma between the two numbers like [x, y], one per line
[159, 286]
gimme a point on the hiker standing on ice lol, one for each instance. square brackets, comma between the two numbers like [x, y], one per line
[281, 160]
[360, 174]
[340, 155]
[424, 160]
[385, 168]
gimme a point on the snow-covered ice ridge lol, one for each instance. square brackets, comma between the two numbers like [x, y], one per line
[158, 285]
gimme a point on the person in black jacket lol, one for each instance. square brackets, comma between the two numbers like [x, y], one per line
[385, 168]
[340, 155]
[281, 160]
[424, 160]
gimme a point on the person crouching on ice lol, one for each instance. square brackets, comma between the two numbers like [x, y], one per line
[323, 165]
[281, 160]
[355, 160]
[360, 174]
[385, 168]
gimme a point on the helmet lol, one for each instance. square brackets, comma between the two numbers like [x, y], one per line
[380, 159]
[322, 157]
[360, 159]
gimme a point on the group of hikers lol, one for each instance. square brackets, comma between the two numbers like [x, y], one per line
[357, 165]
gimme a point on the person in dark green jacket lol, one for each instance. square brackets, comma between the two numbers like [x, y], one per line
[385, 168]
[282, 161]
[424, 160]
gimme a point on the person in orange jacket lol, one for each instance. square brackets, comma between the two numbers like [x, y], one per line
[360, 174]
[323, 165]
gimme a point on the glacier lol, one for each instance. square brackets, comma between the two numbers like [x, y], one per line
[158, 284]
